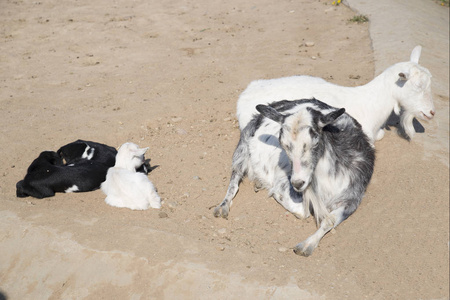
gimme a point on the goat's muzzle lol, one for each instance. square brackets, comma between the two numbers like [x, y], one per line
[298, 185]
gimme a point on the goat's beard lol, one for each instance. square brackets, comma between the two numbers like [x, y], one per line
[406, 121]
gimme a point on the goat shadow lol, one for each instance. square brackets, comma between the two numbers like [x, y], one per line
[394, 121]
[3, 295]
[271, 140]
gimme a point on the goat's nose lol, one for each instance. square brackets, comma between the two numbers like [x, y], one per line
[432, 112]
[297, 184]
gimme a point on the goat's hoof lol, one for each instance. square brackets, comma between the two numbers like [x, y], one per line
[380, 134]
[221, 211]
[301, 215]
[303, 249]
[257, 187]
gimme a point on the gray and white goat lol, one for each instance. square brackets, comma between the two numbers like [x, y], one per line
[312, 158]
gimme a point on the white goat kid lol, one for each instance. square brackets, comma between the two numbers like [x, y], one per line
[313, 157]
[404, 86]
[124, 187]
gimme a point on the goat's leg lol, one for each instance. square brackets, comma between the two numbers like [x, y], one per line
[239, 170]
[257, 186]
[380, 134]
[38, 191]
[329, 222]
[224, 208]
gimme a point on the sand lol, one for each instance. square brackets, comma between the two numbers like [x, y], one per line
[166, 75]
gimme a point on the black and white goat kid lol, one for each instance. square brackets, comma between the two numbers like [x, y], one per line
[310, 156]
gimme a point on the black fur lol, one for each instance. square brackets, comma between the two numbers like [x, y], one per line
[48, 175]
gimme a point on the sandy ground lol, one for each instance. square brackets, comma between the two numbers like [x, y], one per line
[167, 74]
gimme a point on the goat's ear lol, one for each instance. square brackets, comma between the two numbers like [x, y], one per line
[140, 151]
[403, 76]
[415, 54]
[270, 112]
[331, 117]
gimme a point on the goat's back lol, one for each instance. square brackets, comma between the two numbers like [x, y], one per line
[102, 153]
[285, 88]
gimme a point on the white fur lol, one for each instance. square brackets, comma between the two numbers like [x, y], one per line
[124, 187]
[88, 154]
[370, 104]
[72, 189]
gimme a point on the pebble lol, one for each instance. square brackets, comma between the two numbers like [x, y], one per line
[172, 204]
[222, 231]
[309, 44]
[283, 249]
[181, 131]
[176, 119]
[163, 215]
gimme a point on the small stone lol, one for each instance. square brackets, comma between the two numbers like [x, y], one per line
[163, 214]
[172, 204]
[283, 249]
[309, 44]
[196, 178]
[176, 119]
[181, 131]
[313, 57]
[222, 231]
[221, 248]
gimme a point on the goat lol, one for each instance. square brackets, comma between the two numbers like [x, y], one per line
[100, 153]
[312, 158]
[126, 188]
[404, 87]
[48, 175]
[79, 166]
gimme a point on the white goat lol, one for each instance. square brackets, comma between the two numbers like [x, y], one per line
[404, 86]
[124, 187]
